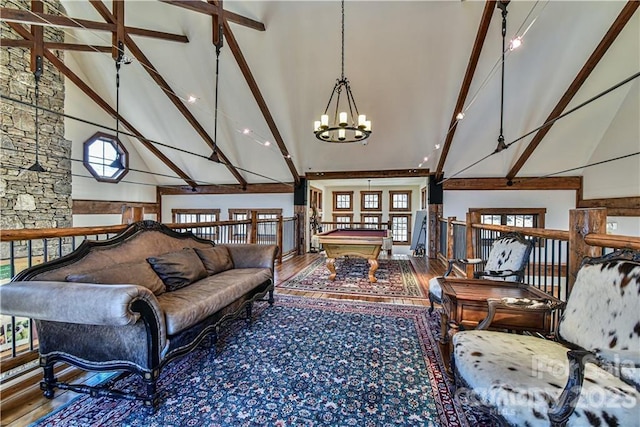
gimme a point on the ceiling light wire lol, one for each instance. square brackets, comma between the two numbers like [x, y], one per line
[550, 122]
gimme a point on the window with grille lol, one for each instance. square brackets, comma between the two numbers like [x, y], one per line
[513, 217]
[400, 227]
[105, 158]
[400, 200]
[372, 221]
[193, 216]
[343, 220]
[342, 200]
[371, 200]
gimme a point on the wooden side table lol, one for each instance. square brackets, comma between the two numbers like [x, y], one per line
[464, 305]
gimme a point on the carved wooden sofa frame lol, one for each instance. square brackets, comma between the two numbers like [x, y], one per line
[129, 327]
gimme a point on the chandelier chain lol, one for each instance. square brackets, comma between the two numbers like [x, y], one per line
[342, 39]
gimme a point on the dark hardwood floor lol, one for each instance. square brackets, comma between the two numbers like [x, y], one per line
[28, 405]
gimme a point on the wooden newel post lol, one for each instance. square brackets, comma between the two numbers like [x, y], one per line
[472, 240]
[450, 254]
[279, 233]
[253, 238]
[435, 212]
[131, 214]
[581, 223]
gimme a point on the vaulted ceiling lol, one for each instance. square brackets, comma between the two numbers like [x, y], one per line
[406, 61]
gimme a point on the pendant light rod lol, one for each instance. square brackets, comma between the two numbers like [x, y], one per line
[37, 74]
[342, 46]
[501, 144]
[214, 156]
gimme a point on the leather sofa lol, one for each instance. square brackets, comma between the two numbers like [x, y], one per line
[136, 301]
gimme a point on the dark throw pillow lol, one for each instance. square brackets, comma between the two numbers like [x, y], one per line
[134, 273]
[216, 259]
[178, 269]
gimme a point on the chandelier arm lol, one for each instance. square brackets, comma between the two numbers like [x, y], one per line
[339, 92]
[335, 89]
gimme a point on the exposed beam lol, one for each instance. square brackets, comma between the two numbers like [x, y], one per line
[262, 104]
[618, 206]
[37, 51]
[608, 39]
[212, 9]
[550, 183]
[55, 46]
[483, 28]
[89, 207]
[226, 189]
[117, 37]
[56, 62]
[155, 75]
[34, 18]
[392, 173]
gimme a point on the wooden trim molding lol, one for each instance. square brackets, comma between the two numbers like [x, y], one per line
[551, 183]
[616, 206]
[391, 173]
[101, 207]
[225, 189]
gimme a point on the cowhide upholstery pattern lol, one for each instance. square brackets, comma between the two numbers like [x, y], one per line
[507, 253]
[521, 375]
[435, 288]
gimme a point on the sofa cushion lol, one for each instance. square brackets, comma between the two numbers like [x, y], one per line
[135, 273]
[189, 305]
[520, 375]
[178, 269]
[216, 259]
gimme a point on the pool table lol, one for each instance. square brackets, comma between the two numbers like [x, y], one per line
[345, 242]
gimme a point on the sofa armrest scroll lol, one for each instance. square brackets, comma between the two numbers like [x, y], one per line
[253, 255]
[82, 303]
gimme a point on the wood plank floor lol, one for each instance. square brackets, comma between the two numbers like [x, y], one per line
[29, 405]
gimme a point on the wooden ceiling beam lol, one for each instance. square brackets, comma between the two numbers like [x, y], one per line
[43, 19]
[164, 86]
[213, 9]
[391, 173]
[37, 51]
[262, 104]
[616, 28]
[55, 46]
[483, 28]
[264, 188]
[56, 62]
[549, 183]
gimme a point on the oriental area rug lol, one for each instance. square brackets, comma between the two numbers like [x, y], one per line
[396, 278]
[302, 362]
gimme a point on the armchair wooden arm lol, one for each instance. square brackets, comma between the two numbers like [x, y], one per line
[519, 304]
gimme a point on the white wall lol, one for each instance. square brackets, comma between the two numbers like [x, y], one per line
[224, 202]
[557, 202]
[620, 178]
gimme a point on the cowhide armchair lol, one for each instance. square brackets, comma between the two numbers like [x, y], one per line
[589, 376]
[507, 260]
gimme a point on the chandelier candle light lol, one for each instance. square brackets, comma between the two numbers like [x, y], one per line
[348, 126]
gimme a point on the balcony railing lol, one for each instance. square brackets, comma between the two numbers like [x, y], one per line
[553, 263]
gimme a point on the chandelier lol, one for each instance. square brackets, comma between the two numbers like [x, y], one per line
[347, 124]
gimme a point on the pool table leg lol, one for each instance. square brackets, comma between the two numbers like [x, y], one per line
[372, 270]
[331, 265]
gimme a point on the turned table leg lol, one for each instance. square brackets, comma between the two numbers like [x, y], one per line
[331, 265]
[372, 270]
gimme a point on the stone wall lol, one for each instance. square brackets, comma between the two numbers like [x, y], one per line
[33, 199]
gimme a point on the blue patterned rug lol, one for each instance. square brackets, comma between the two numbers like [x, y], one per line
[302, 362]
